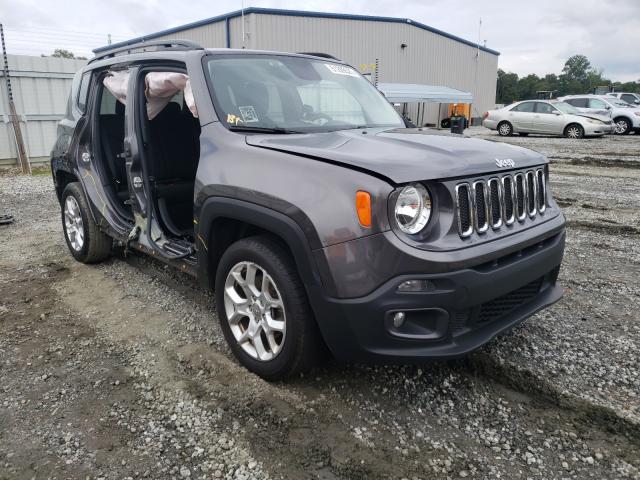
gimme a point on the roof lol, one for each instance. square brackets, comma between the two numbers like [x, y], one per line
[411, 92]
[295, 13]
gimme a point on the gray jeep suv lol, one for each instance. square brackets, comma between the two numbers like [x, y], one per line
[289, 184]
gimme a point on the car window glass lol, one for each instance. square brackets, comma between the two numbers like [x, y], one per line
[596, 103]
[577, 102]
[628, 98]
[544, 108]
[329, 98]
[107, 103]
[526, 107]
[83, 91]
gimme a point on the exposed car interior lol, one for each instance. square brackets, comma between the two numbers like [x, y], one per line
[172, 162]
[171, 146]
[111, 133]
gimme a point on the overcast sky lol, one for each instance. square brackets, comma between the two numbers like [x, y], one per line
[532, 37]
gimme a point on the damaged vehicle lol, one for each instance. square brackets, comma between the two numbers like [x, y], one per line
[289, 185]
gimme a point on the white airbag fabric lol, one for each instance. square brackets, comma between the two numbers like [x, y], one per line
[159, 88]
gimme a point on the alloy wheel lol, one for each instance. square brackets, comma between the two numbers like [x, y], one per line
[621, 127]
[505, 129]
[255, 311]
[73, 224]
[573, 132]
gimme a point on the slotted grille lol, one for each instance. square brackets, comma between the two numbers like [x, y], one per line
[499, 201]
[496, 204]
[500, 306]
[480, 206]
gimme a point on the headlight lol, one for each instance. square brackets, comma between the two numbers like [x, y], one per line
[593, 120]
[637, 114]
[413, 208]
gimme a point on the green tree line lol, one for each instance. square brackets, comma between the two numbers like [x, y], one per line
[578, 76]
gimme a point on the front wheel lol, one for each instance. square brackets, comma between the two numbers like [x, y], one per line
[86, 242]
[505, 129]
[263, 309]
[574, 131]
[623, 126]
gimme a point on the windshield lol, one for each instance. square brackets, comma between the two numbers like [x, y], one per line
[295, 94]
[566, 108]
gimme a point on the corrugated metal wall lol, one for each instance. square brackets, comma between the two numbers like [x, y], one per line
[41, 88]
[428, 58]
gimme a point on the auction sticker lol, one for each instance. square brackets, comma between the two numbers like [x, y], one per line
[249, 114]
[341, 69]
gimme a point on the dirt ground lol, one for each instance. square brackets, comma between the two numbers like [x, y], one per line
[119, 370]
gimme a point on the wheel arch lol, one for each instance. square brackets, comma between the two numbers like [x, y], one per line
[570, 124]
[61, 179]
[502, 122]
[222, 221]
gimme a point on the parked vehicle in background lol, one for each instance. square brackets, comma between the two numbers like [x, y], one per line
[630, 98]
[626, 117]
[549, 117]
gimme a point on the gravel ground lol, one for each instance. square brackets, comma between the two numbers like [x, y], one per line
[119, 370]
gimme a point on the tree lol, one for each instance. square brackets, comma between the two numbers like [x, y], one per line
[577, 68]
[507, 87]
[62, 53]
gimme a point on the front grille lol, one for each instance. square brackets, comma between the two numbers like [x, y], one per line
[501, 306]
[500, 201]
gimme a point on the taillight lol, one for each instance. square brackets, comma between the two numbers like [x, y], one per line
[485, 115]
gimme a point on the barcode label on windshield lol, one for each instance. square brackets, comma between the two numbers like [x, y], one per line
[341, 69]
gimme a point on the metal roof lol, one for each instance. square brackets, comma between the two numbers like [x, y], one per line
[295, 13]
[411, 92]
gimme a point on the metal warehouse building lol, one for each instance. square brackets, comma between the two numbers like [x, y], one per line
[389, 49]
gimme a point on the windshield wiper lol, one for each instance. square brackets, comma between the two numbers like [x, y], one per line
[248, 128]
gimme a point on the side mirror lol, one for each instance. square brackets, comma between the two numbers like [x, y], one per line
[608, 107]
[556, 112]
[637, 102]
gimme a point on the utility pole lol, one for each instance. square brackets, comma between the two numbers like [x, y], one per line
[15, 120]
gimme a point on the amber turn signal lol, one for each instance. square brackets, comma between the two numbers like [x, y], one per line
[363, 207]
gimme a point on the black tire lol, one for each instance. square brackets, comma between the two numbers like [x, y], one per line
[623, 126]
[505, 129]
[96, 245]
[574, 130]
[524, 134]
[302, 345]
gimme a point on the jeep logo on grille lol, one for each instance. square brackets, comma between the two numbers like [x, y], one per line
[505, 163]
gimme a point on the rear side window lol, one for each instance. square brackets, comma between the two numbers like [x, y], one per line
[577, 102]
[628, 98]
[524, 107]
[83, 91]
[595, 103]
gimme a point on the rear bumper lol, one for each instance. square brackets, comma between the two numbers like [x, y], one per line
[462, 311]
[491, 124]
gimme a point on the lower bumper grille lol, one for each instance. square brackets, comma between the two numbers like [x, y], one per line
[500, 306]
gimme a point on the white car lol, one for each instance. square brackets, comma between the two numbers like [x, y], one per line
[630, 98]
[625, 116]
[546, 117]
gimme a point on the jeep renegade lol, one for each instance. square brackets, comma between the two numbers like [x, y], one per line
[289, 185]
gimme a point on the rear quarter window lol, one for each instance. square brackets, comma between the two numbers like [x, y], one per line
[83, 92]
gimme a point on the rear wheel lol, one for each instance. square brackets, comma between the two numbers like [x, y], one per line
[505, 129]
[263, 309]
[86, 242]
[574, 131]
[623, 126]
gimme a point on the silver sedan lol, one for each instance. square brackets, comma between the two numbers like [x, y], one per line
[546, 117]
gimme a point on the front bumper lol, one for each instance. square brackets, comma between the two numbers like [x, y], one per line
[464, 310]
[601, 129]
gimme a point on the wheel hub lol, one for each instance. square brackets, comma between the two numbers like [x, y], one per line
[255, 311]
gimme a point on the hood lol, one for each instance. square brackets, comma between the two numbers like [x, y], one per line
[595, 116]
[402, 155]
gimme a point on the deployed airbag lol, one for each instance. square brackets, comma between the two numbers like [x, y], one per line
[160, 87]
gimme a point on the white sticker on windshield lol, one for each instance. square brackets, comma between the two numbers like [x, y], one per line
[249, 114]
[341, 70]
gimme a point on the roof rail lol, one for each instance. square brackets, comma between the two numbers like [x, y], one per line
[142, 46]
[319, 54]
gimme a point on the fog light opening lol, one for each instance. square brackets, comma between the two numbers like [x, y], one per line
[398, 319]
[415, 286]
